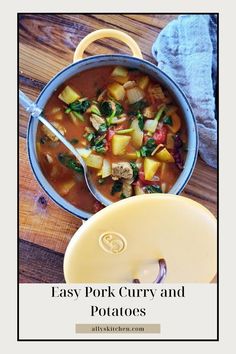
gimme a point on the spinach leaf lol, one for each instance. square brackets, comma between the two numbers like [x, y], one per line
[137, 106]
[77, 115]
[90, 136]
[99, 139]
[70, 162]
[102, 128]
[94, 109]
[106, 109]
[78, 106]
[148, 148]
[153, 189]
[119, 109]
[99, 144]
[135, 169]
[117, 186]
[168, 120]
[140, 120]
[100, 148]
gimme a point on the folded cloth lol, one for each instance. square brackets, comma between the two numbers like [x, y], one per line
[186, 50]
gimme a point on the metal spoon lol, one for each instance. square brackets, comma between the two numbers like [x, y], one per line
[36, 112]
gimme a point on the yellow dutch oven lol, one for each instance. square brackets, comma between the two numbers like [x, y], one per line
[146, 239]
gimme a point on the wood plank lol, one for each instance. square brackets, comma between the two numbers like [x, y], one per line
[32, 90]
[154, 20]
[49, 33]
[142, 33]
[39, 265]
[68, 30]
[39, 215]
[202, 186]
[38, 64]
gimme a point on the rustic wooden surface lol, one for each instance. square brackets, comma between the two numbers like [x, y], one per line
[46, 45]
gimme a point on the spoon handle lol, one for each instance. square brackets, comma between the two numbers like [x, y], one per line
[29, 105]
[35, 111]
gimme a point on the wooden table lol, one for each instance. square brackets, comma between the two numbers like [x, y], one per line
[46, 45]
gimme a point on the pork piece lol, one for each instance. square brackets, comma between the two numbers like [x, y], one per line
[156, 92]
[121, 170]
[148, 112]
[96, 121]
[50, 135]
[129, 84]
[122, 118]
[127, 188]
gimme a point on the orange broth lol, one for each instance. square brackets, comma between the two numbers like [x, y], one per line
[70, 184]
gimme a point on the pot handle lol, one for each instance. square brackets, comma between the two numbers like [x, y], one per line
[106, 33]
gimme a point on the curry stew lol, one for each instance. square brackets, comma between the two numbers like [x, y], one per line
[127, 128]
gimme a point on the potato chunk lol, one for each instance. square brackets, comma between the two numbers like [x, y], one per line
[117, 91]
[84, 152]
[106, 168]
[164, 156]
[119, 71]
[68, 95]
[137, 134]
[150, 125]
[94, 161]
[119, 144]
[66, 187]
[134, 94]
[121, 79]
[143, 82]
[150, 168]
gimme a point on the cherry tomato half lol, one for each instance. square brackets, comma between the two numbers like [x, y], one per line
[160, 135]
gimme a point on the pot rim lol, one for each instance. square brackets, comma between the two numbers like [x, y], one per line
[81, 213]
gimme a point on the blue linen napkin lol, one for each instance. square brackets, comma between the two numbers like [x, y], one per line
[186, 50]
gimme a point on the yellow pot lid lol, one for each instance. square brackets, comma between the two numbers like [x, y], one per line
[125, 240]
